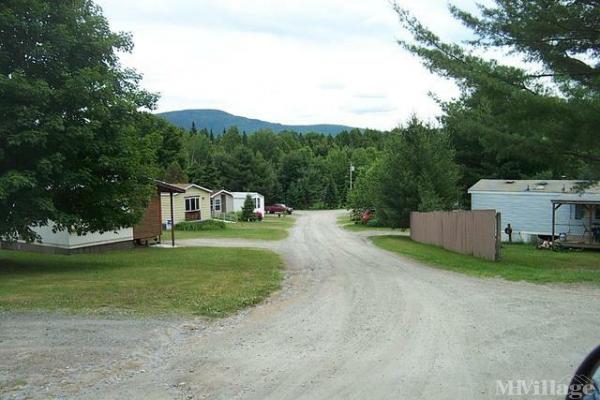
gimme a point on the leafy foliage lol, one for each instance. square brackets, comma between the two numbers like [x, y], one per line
[209, 225]
[74, 149]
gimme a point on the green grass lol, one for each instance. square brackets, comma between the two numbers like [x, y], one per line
[346, 223]
[203, 281]
[519, 261]
[271, 228]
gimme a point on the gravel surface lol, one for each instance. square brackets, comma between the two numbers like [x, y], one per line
[352, 322]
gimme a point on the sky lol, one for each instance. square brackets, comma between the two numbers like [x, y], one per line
[286, 61]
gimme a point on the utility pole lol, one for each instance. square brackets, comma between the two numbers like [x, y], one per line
[351, 171]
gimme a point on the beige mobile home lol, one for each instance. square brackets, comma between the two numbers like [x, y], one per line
[193, 205]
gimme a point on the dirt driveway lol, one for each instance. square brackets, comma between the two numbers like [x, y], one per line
[352, 322]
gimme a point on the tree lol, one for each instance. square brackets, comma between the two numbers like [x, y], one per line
[174, 174]
[526, 122]
[417, 172]
[248, 209]
[71, 153]
[331, 199]
[194, 130]
[363, 196]
[170, 138]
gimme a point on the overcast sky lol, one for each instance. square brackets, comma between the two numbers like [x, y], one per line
[288, 61]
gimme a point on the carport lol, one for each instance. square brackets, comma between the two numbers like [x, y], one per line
[591, 235]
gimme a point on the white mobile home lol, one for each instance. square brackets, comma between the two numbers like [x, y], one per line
[240, 197]
[147, 230]
[527, 205]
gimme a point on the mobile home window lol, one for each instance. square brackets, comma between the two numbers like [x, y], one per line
[217, 204]
[257, 202]
[192, 204]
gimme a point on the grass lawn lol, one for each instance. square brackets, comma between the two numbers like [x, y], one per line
[519, 261]
[271, 228]
[204, 281]
[348, 224]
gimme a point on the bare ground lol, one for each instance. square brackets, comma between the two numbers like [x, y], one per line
[351, 322]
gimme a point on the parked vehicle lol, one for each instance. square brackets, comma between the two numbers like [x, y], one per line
[279, 209]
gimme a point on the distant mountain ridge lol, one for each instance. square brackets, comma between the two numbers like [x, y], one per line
[218, 120]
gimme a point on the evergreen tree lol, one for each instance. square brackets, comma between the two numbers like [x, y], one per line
[194, 130]
[515, 121]
[174, 174]
[248, 209]
[416, 172]
[330, 194]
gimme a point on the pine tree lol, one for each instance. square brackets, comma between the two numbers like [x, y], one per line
[331, 198]
[174, 174]
[194, 130]
[248, 209]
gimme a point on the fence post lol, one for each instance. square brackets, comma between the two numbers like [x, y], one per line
[498, 235]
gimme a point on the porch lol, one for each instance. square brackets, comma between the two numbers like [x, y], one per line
[590, 237]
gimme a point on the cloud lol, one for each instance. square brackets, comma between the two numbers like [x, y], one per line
[372, 109]
[296, 62]
[332, 86]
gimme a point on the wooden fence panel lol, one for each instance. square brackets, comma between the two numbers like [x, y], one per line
[467, 232]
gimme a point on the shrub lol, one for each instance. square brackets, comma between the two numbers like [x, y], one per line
[374, 223]
[210, 225]
[248, 209]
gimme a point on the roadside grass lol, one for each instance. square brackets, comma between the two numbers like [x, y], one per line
[207, 282]
[270, 228]
[346, 223]
[519, 261]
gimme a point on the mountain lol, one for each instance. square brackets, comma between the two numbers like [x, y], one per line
[219, 120]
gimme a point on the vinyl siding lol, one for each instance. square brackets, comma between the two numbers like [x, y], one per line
[179, 205]
[530, 214]
[66, 240]
[240, 197]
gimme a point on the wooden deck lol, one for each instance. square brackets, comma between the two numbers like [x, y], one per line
[580, 242]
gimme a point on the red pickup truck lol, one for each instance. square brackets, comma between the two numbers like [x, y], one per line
[279, 209]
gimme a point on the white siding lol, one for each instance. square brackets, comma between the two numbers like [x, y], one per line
[530, 213]
[240, 197]
[65, 240]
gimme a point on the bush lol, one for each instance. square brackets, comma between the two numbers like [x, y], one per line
[374, 223]
[248, 209]
[210, 225]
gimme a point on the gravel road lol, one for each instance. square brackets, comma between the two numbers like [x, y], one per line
[352, 322]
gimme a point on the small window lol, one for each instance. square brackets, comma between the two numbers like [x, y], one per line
[597, 212]
[217, 204]
[192, 204]
[578, 211]
[257, 202]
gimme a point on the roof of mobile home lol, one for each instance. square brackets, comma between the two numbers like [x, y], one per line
[218, 192]
[244, 194]
[186, 186]
[534, 186]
